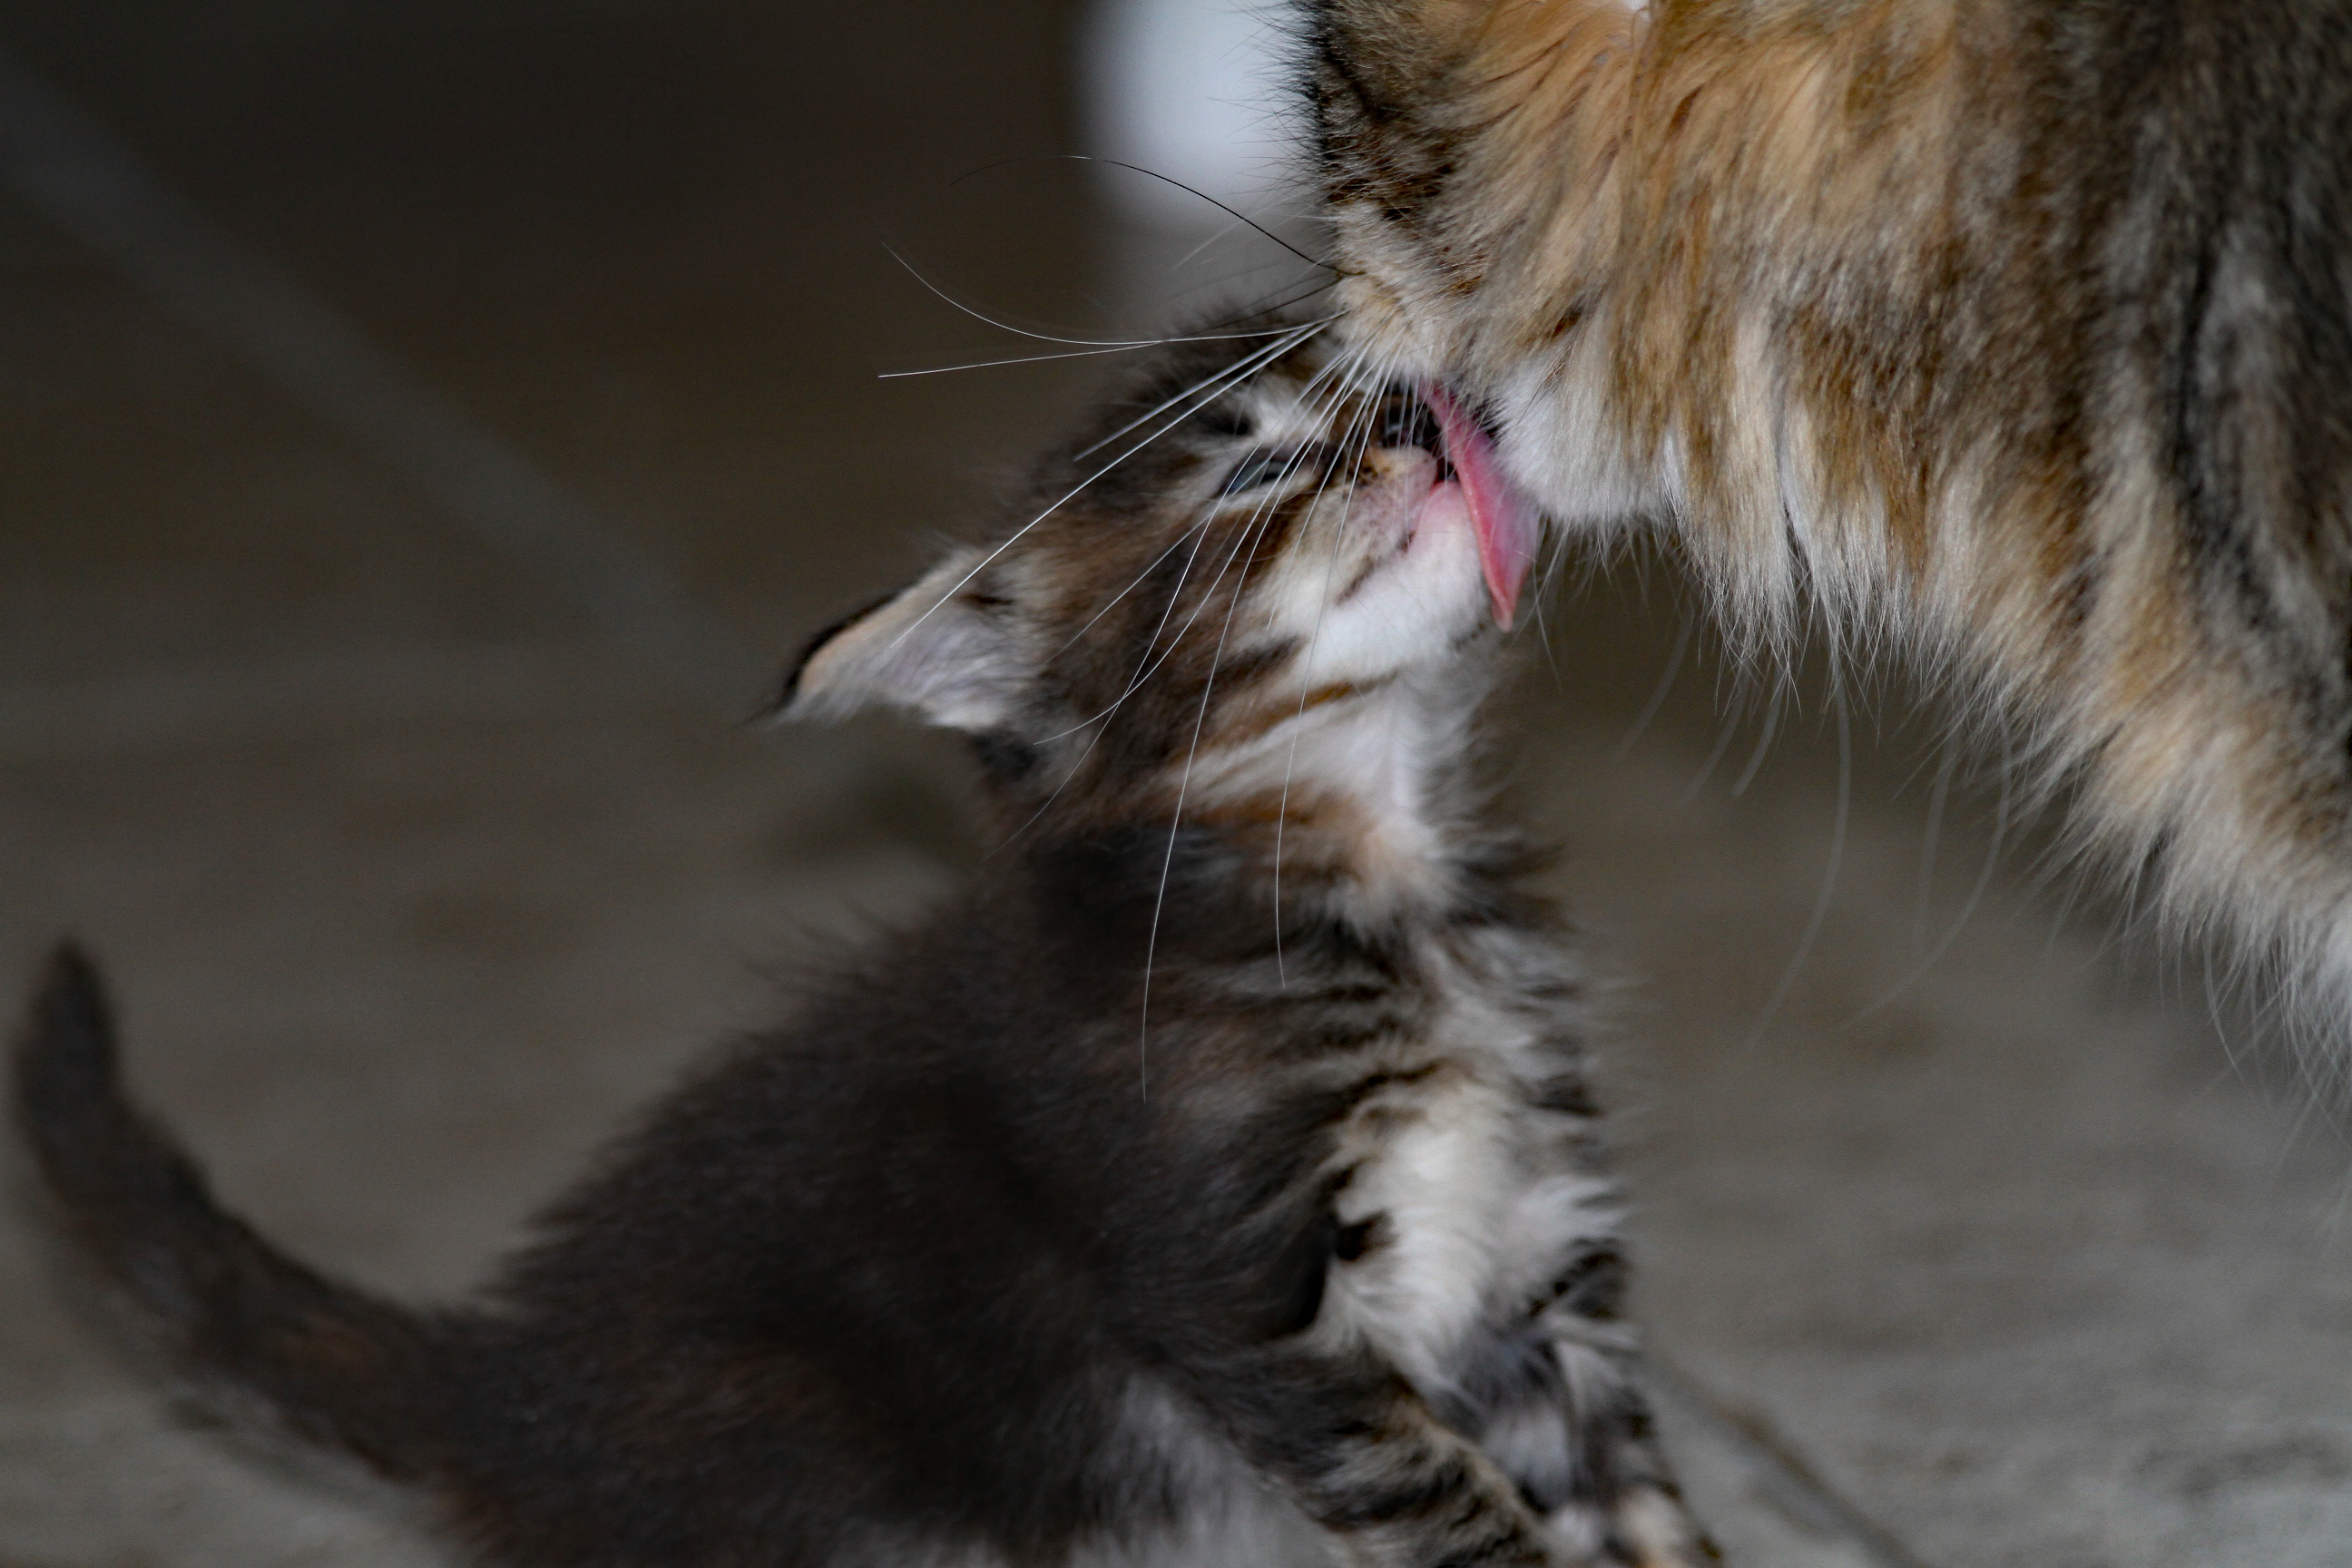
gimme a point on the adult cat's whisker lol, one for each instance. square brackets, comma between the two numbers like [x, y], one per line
[984, 318]
[1277, 305]
[1937, 798]
[1822, 901]
[1194, 191]
[1658, 700]
[1774, 702]
[1920, 970]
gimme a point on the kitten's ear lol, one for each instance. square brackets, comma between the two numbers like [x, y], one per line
[940, 649]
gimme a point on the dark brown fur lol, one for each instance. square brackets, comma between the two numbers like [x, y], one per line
[1080, 1223]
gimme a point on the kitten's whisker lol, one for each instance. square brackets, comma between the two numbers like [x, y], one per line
[1249, 364]
[1152, 663]
[1290, 465]
[1337, 374]
[1359, 370]
[1199, 533]
[1137, 582]
[1108, 348]
[1229, 376]
[1252, 536]
[1154, 657]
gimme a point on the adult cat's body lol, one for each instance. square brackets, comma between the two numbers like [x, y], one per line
[2019, 328]
[1216, 1184]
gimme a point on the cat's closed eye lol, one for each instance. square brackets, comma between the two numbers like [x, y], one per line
[1406, 421]
[1262, 468]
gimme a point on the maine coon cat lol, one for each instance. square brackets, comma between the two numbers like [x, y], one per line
[1217, 1182]
[2017, 333]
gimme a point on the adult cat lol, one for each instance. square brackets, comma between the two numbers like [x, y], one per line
[2018, 329]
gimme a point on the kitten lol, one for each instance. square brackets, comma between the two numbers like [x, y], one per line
[1216, 1184]
[2019, 330]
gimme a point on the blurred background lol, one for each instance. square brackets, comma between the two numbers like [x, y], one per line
[424, 426]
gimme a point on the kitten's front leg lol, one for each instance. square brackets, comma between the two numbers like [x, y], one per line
[1639, 1517]
[1362, 1454]
[1575, 1432]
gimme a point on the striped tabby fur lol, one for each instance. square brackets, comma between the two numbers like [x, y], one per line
[2016, 331]
[1216, 1184]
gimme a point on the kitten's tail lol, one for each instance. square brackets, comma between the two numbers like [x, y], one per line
[237, 1316]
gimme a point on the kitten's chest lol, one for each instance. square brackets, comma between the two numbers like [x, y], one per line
[1467, 1172]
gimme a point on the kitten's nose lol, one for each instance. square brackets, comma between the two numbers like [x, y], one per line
[1415, 464]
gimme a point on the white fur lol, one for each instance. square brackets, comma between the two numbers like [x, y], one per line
[1467, 1174]
[929, 650]
[1233, 1515]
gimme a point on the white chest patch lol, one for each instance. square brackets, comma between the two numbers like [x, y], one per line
[1471, 1193]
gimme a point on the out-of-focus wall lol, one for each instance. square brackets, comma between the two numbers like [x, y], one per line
[644, 238]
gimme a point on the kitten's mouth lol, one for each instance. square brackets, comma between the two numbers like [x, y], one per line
[1504, 521]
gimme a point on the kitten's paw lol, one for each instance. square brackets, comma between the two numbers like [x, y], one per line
[1647, 1526]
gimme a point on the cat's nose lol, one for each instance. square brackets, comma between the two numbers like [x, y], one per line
[1415, 464]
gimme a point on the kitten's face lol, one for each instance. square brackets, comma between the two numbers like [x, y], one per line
[1252, 544]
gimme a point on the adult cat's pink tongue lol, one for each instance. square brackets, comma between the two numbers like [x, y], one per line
[1504, 521]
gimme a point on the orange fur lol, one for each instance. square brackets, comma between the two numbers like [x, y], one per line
[1885, 297]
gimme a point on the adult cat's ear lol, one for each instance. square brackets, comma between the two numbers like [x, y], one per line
[941, 649]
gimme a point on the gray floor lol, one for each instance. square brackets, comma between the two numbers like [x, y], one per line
[415, 874]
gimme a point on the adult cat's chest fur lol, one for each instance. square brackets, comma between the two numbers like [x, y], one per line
[2015, 334]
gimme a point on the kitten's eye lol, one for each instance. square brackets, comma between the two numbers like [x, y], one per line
[1265, 469]
[1406, 421]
